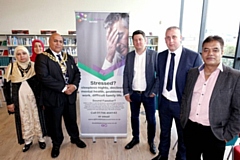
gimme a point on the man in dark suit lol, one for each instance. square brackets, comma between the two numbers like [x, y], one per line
[60, 79]
[140, 86]
[178, 60]
[210, 110]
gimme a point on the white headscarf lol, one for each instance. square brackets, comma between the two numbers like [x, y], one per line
[24, 49]
[16, 75]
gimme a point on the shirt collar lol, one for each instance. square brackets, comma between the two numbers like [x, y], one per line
[144, 52]
[55, 53]
[177, 52]
[220, 67]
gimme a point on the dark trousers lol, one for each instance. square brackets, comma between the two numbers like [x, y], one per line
[149, 106]
[200, 140]
[54, 116]
[168, 111]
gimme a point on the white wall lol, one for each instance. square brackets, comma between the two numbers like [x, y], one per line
[35, 15]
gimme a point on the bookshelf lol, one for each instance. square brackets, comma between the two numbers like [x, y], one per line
[8, 42]
[13, 40]
[4, 60]
[152, 43]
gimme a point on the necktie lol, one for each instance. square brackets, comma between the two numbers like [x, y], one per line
[59, 57]
[170, 73]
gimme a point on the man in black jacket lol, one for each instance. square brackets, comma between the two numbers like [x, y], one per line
[60, 79]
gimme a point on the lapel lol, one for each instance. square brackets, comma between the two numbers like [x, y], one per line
[190, 84]
[221, 80]
[148, 58]
[162, 61]
[131, 62]
[193, 79]
[182, 62]
[132, 58]
[69, 66]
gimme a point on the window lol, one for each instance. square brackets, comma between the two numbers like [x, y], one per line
[223, 20]
[191, 23]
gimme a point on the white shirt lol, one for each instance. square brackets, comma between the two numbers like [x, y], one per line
[172, 95]
[139, 78]
[55, 54]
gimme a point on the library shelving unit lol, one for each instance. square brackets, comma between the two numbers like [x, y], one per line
[4, 59]
[8, 42]
[152, 43]
[13, 40]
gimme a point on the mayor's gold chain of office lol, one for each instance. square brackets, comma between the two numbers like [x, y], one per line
[61, 63]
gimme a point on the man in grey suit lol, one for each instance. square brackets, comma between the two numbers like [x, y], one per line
[140, 86]
[173, 65]
[210, 110]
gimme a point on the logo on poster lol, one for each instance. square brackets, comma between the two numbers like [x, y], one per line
[84, 17]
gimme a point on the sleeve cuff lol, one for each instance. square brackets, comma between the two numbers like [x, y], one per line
[64, 89]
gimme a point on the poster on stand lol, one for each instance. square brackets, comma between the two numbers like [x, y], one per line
[102, 45]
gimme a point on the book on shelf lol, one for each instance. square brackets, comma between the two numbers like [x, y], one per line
[152, 48]
[48, 31]
[4, 61]
[44, 39]
[20, 31]
[5, 53]
[72, 32]
[15, 41]
[130, 42]
[150, 41]
[26, 41]
[71, 50]
[12, 41]
[10, 51]
[3, 43]
[69, 41]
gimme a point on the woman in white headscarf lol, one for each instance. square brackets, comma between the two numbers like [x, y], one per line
[23, 98]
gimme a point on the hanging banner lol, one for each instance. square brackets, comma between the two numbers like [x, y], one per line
[102, 45]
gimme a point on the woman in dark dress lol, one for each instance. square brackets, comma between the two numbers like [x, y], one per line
[22, 97]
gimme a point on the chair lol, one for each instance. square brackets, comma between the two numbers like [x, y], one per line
[231, 143]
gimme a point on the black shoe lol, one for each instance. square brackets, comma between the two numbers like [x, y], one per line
[26, 147]
[159, 157]
[152, 148]
[42, 145]
[132, 143]
[55, 151]
[79, 143]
